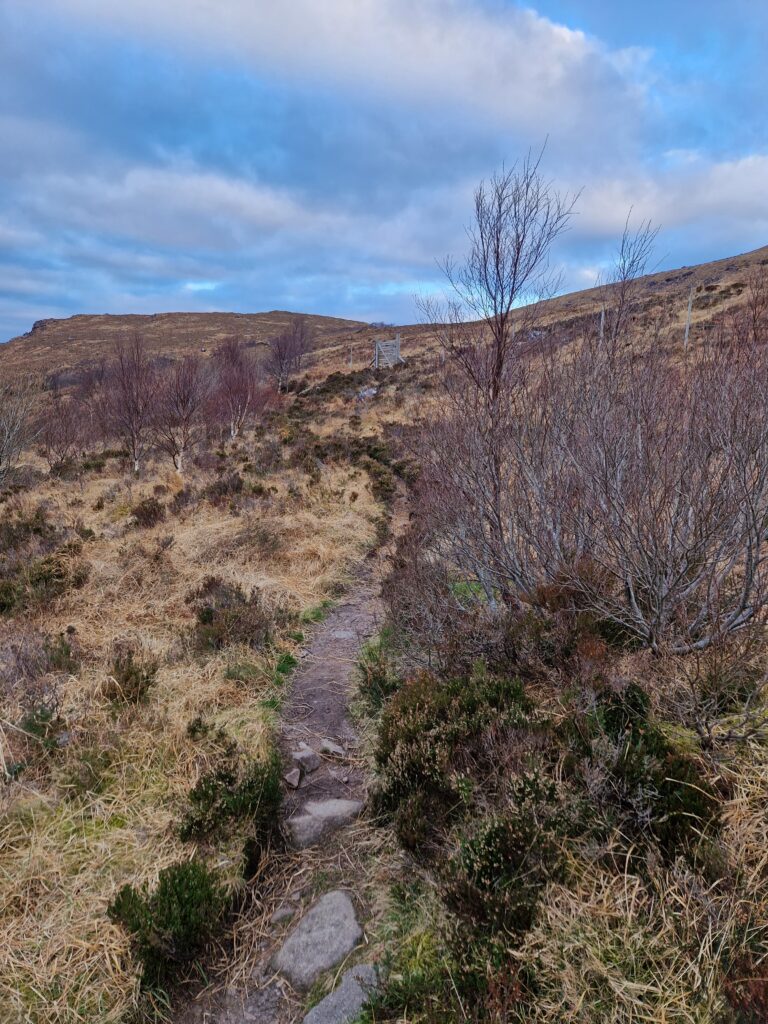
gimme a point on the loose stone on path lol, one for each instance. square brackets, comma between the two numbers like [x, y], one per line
[344, 1004]
[321, 939]
[320, 817]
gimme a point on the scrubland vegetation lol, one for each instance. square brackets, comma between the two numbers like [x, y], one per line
[568, 702]
[565, 707]
[166, 531]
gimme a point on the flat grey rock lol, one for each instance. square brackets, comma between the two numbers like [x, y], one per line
[307, 759]
[344, 634]
[305, 830]
[293, 778]
[321, 939]
[337, 810]
[329, 747]
[347, 1000]
[320, 817]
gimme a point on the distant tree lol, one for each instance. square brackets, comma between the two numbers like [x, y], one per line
[17, 401]
[126, 398]
[238, 393]
[182, 391]
[287, 351]
[61, 429]
[620, 290]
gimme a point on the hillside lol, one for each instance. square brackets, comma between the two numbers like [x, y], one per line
[62, 344]
[277, 688]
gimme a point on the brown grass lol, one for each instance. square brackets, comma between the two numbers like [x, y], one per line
[66, 850]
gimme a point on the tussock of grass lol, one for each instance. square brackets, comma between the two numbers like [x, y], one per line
[616, 948]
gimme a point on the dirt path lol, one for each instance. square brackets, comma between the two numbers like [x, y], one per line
[317, 708]
[316, 912]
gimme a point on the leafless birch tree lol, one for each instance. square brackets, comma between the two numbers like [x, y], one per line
[182, 392]
[17, 401]
[238, 393]
[125, 399]
[287, 351]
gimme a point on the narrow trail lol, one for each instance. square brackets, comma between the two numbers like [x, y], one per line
[315, 927]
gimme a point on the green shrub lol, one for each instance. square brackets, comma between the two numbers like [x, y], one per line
[148, 513]
[129, 680]
[495, 878]
[226, 616]
[429, 721]
[171, 924]
[654, 790]
[235, 789]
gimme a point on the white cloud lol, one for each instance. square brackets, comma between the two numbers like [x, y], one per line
[506, 64]
[727, 195]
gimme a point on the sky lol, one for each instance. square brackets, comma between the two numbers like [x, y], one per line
[321, 155]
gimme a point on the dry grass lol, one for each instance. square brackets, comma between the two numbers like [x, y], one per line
[71, 838]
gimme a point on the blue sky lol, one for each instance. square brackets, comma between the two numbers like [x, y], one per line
[320, 155]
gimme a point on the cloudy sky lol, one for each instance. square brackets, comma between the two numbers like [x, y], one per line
[319, 155]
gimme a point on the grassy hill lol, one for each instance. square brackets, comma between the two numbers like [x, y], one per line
[58, 345]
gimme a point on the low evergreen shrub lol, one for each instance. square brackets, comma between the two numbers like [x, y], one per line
[171, 924]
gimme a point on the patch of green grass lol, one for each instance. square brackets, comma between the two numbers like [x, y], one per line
[317, 613]
[286, 663]
[378, 678]
[467, 590]
[419, 969]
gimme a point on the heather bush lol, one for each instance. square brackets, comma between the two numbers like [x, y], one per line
[148, 513]
[635, 774]
[495, 877]
[171, 924]
[222, 490]
[130, 678]
[427, 729]
[235, 789]
[225, 616]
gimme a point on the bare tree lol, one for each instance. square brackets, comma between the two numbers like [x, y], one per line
[757, 302]
[17, 401]
[182, 392]
[61, 429]
[238, 393]
[287, 351]
[620, 291]
[518, 215]
[638, 487]
[125, 399]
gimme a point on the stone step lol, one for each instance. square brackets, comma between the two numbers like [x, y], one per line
[327, 933]
[319, 817]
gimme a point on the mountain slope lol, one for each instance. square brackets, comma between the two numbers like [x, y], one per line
[56, 345]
